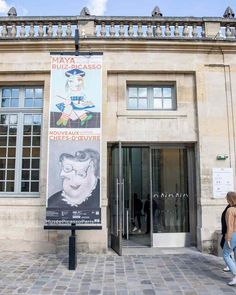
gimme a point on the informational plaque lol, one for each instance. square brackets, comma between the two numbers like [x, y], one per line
[222, 182]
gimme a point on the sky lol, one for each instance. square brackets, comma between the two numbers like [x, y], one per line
[197, 8]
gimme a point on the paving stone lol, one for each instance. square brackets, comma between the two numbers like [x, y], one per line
[190, 273]
[149, 292]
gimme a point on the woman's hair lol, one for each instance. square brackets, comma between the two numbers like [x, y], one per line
[65, 156]
[231, 198]
[82, 156]
[86, 154]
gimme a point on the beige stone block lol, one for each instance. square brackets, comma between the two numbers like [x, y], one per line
[30, 246]
[86, 29]
[212, 29]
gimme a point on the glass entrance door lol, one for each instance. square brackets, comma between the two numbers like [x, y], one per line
[170, 197]
[136, 205]
[116, 198]
[151, 196]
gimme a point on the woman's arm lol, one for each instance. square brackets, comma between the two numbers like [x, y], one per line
[230, 223]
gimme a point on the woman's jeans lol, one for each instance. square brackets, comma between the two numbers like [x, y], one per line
[226, 254]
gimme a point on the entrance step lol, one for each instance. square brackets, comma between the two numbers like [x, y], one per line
[157, 251]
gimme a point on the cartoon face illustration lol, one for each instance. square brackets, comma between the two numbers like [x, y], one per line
[75, 83]
[75, 105]
[80, 177]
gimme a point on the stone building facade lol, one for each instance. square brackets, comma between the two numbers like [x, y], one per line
[169, 102]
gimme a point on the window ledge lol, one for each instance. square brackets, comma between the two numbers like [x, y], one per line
[151, 114]
[18, 200]
[4, 195]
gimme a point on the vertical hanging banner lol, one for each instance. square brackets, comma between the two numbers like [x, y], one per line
[74, 140]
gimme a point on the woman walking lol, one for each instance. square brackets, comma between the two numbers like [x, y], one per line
[230, 237]
[223, 232]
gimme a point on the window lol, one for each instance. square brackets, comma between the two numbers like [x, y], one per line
[20, 130]
[151, 97]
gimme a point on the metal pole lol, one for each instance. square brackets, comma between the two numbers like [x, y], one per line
[76, 41]
[72, 249]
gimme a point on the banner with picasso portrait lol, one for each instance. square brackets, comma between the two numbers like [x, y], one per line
[74, 137]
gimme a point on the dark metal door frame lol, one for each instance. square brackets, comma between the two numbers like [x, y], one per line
[116, 236]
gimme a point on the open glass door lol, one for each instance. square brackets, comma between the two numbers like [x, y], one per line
[116, 198]
[170, 197]
[137, 225]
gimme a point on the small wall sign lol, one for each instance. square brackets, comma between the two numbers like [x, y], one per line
[222, 181]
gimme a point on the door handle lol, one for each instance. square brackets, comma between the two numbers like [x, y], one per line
[123, 205]
[117, 204]
[127, 224]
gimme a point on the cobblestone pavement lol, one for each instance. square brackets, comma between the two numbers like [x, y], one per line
[187, 273]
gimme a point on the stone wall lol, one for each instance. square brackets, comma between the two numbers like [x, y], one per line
[205, 115]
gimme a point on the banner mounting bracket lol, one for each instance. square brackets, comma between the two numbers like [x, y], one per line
[77, 45]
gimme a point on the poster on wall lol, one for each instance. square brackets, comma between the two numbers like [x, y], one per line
[222, 182]
[74, 139]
